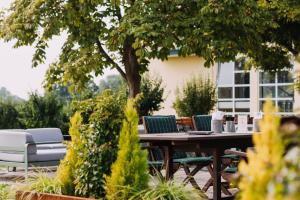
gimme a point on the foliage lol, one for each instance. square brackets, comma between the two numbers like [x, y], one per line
[125, 35]
[68, 166]
[90, 90]
[9, 116]
[129, 172]
[43, 111]
[169, 190]
[113, 82]
[99, 133]
[40, 182]
[272, 171]
[266, 161]
[4, 192]
[197, 97]
[152, 93]
[150, 98]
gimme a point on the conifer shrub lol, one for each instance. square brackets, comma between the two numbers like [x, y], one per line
[130, 171]
[67, 167]
[273, 168]
[197, 96]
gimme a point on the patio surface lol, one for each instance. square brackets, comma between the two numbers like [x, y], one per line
[12, 178]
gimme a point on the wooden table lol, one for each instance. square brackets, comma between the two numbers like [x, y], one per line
[215, 143]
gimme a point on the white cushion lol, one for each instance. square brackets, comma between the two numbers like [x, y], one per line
[13, 139]
[51, 146]
[41, 155]
[44, 135]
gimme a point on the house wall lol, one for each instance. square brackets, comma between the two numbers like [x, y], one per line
[177, 70]
[174, 72]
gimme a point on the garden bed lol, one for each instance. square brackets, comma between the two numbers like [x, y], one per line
[21, 195]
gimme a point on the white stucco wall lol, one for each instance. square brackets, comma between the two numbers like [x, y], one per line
[174, 72]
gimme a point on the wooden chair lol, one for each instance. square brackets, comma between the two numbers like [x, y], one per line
[167, 124]
[203, 123]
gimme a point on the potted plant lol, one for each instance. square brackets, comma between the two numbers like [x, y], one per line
[196, 97]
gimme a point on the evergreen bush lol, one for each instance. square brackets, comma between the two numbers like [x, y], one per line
[197, 97]
[273, 169]
[43, 111]
[129, 172]
[67, 167]
[9, 116]
[152, 93]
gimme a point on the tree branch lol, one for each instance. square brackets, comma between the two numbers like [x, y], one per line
[108, 58]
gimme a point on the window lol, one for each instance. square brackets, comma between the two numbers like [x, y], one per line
[279, 87]
[233, 87]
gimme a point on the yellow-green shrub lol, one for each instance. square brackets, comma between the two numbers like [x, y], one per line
[129, 172]
[67, 167]
[273, 168]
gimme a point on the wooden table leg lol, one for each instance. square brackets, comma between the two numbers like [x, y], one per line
[169, 162]
[217, 174]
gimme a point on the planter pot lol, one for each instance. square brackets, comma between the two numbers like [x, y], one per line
[185, 122]
[21, 195]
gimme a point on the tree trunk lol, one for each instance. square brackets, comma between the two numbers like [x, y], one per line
[132, 69]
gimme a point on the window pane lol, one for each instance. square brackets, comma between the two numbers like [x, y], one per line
[225, 75]
[285, 106]
[266, 91]
[242, 92]
[225, 92]
[225, 106]
[266, 77]
[242, 106]
[242, 78]
[242, 109]
[285, 77]
[286, 91]
[239, 65]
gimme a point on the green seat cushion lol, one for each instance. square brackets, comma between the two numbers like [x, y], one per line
[156, 163]
[160, 124]
[194, 160]
[231, 170]
[231, 156]
[202, 122]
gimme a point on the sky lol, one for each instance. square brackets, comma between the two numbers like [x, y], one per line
[16, 72]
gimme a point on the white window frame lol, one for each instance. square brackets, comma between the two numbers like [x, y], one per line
[233, 86]
[276, 98]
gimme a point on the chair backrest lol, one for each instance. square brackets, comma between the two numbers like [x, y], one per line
[202, 122]
[160, 124]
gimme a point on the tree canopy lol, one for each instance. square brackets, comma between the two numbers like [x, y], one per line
[125, 35]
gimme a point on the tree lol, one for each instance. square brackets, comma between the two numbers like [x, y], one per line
[267, 32]
[43, 111]
[6, 96]
[113, 82]
[9, 116]
[125, 35]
